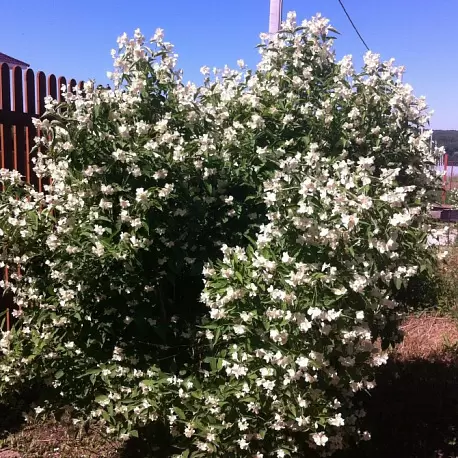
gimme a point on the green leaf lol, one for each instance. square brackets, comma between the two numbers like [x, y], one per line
[101, 399]
[180, 413]
[217, 335]
[90, 372]
[59, 374]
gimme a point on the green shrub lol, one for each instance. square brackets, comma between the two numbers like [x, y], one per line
[452, 197]
[299, 189]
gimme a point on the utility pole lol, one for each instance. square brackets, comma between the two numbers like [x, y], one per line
[276, 7]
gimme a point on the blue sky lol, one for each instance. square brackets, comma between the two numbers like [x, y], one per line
[75, 39]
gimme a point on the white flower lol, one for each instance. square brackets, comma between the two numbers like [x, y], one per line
[98, 249]
[302, 362]
[189, 430]
[124, 203]
[239, 329]
[53, 242]
[123, 131]
[242, 424]
[166, 190]
[286, 258]
[237, 370]
[160, 174]
[246, 317]
[280, 337]
[320, 439]
[270, 198]
[339, 291]
[243, 444]
[107, 189]
[302, 421]
[358, 283]
[99, 230]
[366, 202]
[350, 221]
[400, 219]
[141, 195]
[337, 420]
[314, 312]
[380, 359]
[158, 35]
[118, 354]
[141, 127]
[105, 204]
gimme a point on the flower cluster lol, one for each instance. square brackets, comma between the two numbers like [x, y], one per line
[223, 259]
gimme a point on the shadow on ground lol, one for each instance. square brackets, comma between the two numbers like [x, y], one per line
[413, 412]
[11, 417]
[10, 420]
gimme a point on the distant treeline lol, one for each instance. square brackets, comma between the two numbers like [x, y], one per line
[448, 139]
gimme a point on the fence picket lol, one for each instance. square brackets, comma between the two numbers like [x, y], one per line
[7, 127]
[22, 97]
[72, 85]
[52, 86]
[29, 80]
[7, 145]
[20, 158]
[41, 95]
[61, 82]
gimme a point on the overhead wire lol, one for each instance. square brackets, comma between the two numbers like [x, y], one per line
[353, 24]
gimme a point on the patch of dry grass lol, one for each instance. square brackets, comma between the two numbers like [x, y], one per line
[428, 337]
[448, 268]
[53, 439]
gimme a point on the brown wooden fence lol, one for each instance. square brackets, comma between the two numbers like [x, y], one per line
[22, 98]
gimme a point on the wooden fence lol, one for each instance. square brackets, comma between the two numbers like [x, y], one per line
[22, 98]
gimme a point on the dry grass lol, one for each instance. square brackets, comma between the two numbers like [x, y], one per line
[428, 337]
[449, 267]
[53, 439]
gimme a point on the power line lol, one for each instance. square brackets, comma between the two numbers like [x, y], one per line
[353, 24]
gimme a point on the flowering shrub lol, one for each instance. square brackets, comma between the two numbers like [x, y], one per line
[452, 197]
[300, 191]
